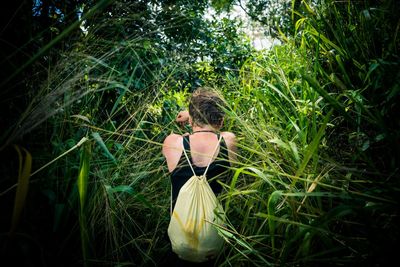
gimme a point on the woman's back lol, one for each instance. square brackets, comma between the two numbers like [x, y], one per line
[202, 147]
[217, 163]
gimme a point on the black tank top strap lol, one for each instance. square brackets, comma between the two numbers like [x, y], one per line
[223, 149]
[186, 146]
[186, 142]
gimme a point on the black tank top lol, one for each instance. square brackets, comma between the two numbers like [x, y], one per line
[218, 169]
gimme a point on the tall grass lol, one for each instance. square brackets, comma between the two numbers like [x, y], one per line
[310, 205]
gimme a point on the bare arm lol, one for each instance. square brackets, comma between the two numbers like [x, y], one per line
[230, 140]
[172, 150]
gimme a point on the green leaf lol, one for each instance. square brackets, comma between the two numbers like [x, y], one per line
[129, 190]
[83, 175]
[271, 206]
[100, 141]
[313, 146]
[120, 97]
[334, 102]
[82, 182]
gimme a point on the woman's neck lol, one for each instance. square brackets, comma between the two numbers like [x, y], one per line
[204, 128]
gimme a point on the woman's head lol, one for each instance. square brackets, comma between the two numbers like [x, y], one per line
[206, 108]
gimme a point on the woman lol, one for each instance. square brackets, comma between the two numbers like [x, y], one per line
[206, 118]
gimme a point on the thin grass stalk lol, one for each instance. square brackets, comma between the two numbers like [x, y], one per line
[82, 183]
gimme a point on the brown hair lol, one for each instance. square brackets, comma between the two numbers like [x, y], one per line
[206, 107]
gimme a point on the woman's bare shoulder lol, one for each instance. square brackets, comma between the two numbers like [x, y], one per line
[229, 136]
[171, 145]
[230, 139]
[172, 138]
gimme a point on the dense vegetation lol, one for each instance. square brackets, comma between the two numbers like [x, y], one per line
[86, 109]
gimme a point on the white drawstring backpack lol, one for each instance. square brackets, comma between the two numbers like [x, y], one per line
[191, 231]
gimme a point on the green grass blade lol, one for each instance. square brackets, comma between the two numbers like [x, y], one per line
[331, 100]
[101, 143]
[272, 201]
[24, 173]
[83, 175]
[82, 184]
[313, 146]
[128, 190]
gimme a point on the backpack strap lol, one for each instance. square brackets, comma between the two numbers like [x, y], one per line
[184, 147]
[170, 206]
[215, 150]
